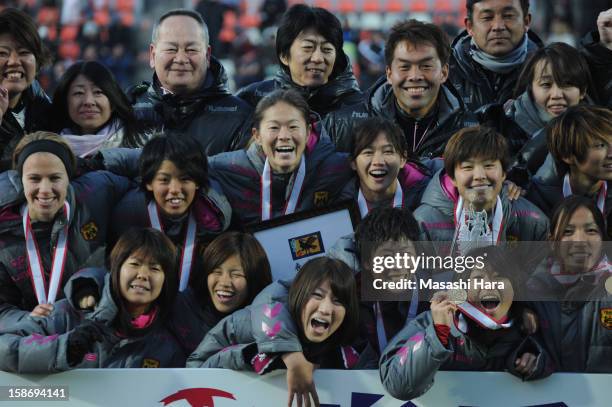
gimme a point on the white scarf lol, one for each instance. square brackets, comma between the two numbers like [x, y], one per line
[85, 145]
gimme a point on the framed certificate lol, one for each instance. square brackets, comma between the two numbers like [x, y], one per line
[292, 240]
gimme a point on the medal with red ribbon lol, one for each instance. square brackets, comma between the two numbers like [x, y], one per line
[44, 294]
[601, 195]
[266, 190]
[398, 200]
[188, 246]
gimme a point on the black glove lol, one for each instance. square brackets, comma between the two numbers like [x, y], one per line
[82, 339]
[89, 164]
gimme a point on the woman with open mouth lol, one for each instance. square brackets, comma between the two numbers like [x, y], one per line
[50, 223]
[287, 167]
[91, 111]
[321, 302]
[387, 176]
[24, 106]
[480, 331]
[127, 328]
[234, 270]
[570, 290]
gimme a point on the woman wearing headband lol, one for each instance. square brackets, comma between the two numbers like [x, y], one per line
[50, 226]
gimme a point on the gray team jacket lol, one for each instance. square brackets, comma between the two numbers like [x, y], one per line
[522, 220]
[40, 345]
[410, 361]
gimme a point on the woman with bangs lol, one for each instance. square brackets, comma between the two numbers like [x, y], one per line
[554, 78]
[386, 174]
[580, 160]
[321, 306]
[177, 197]
[127, 328]
[24, 106]
[92, 112]
[571, 290]
[234, 269]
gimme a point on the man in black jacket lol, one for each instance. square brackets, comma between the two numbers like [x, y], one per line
[488, 57]
[189, 93]
[412, 93]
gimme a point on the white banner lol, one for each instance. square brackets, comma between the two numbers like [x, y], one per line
[226, 388]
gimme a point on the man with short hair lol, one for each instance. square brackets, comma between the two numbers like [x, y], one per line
[412, 93]
[488, 56]
[189, 92]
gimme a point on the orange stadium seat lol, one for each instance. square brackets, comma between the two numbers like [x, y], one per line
[372, 6]
[249, 20]
[445, 6]
[48, 16]
[394, 6]
[326, 4]
[102, 17]
[347, 6]
[69, 33]
[126, 18]
[69, 50]
[418, 6]
[124, 5]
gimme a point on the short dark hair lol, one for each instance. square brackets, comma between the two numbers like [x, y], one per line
[181, 12]
[146, 243]
[182, 150]
[289, 96]
[469, 7]
[417, 33]
[568, 66]
[381, 225]
[342, 282]
[103, 78]
[475, 142]
[301, 17]
[564, 211]
[368, 130]
[573, 132]
[252, 256]
[23, 28]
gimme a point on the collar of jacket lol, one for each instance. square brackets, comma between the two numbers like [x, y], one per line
[214, 88]
[13, 198]
[442, 195]
[464, 62]
[382, 101]
[322, 97]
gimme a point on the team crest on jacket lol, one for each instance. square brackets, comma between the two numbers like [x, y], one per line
[306, 245]
[89, 231]
[605, 317]
[321, 198]
[150, 363]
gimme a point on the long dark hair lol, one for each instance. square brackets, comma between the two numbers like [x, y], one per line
[103, 78]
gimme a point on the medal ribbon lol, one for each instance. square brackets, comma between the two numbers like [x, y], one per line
[266, 193]
[482, 319]
[601, 195]
[188, 246]
[37, 274]
[398, 200]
